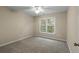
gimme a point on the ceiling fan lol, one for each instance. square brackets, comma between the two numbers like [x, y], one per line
[37, 9]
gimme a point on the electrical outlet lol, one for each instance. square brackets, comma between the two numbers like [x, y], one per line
[76, 44]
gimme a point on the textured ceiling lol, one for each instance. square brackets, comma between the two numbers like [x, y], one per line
[47, 9]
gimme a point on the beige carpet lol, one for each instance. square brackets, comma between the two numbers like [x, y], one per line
[36, 45]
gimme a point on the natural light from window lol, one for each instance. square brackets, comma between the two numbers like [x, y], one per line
[47, 25]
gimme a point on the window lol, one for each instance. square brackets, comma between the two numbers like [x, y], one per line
[47, 25]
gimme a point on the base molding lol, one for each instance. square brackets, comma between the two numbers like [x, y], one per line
[69, 47]
[13, 41]
[53, 38]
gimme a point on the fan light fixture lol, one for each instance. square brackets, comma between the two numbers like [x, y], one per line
[37, 9]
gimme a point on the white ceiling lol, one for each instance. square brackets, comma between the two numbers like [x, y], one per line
[47, 9]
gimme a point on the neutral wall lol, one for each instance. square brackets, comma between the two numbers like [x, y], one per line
[14, 25]
[73, 28]
[60, 26]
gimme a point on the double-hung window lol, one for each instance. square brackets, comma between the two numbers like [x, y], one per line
[47, 25]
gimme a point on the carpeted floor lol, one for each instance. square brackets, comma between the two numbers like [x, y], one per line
[36, 45]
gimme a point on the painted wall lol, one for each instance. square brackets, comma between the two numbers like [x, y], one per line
[14, 25]
[60, 26]
[73, 28]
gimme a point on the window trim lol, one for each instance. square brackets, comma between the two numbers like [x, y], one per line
[46, 25]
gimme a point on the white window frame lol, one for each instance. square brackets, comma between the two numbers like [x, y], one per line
[46, 25]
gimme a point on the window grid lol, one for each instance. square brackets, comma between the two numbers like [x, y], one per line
[48, 25]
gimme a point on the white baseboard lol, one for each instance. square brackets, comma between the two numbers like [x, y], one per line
[68, 46]
[51, 38]
[28, 36]
[4, 44]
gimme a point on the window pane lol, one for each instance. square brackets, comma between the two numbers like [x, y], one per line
[43, 22]
[50, 21]
[43, 28]
[50, 29]
[47, 25]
